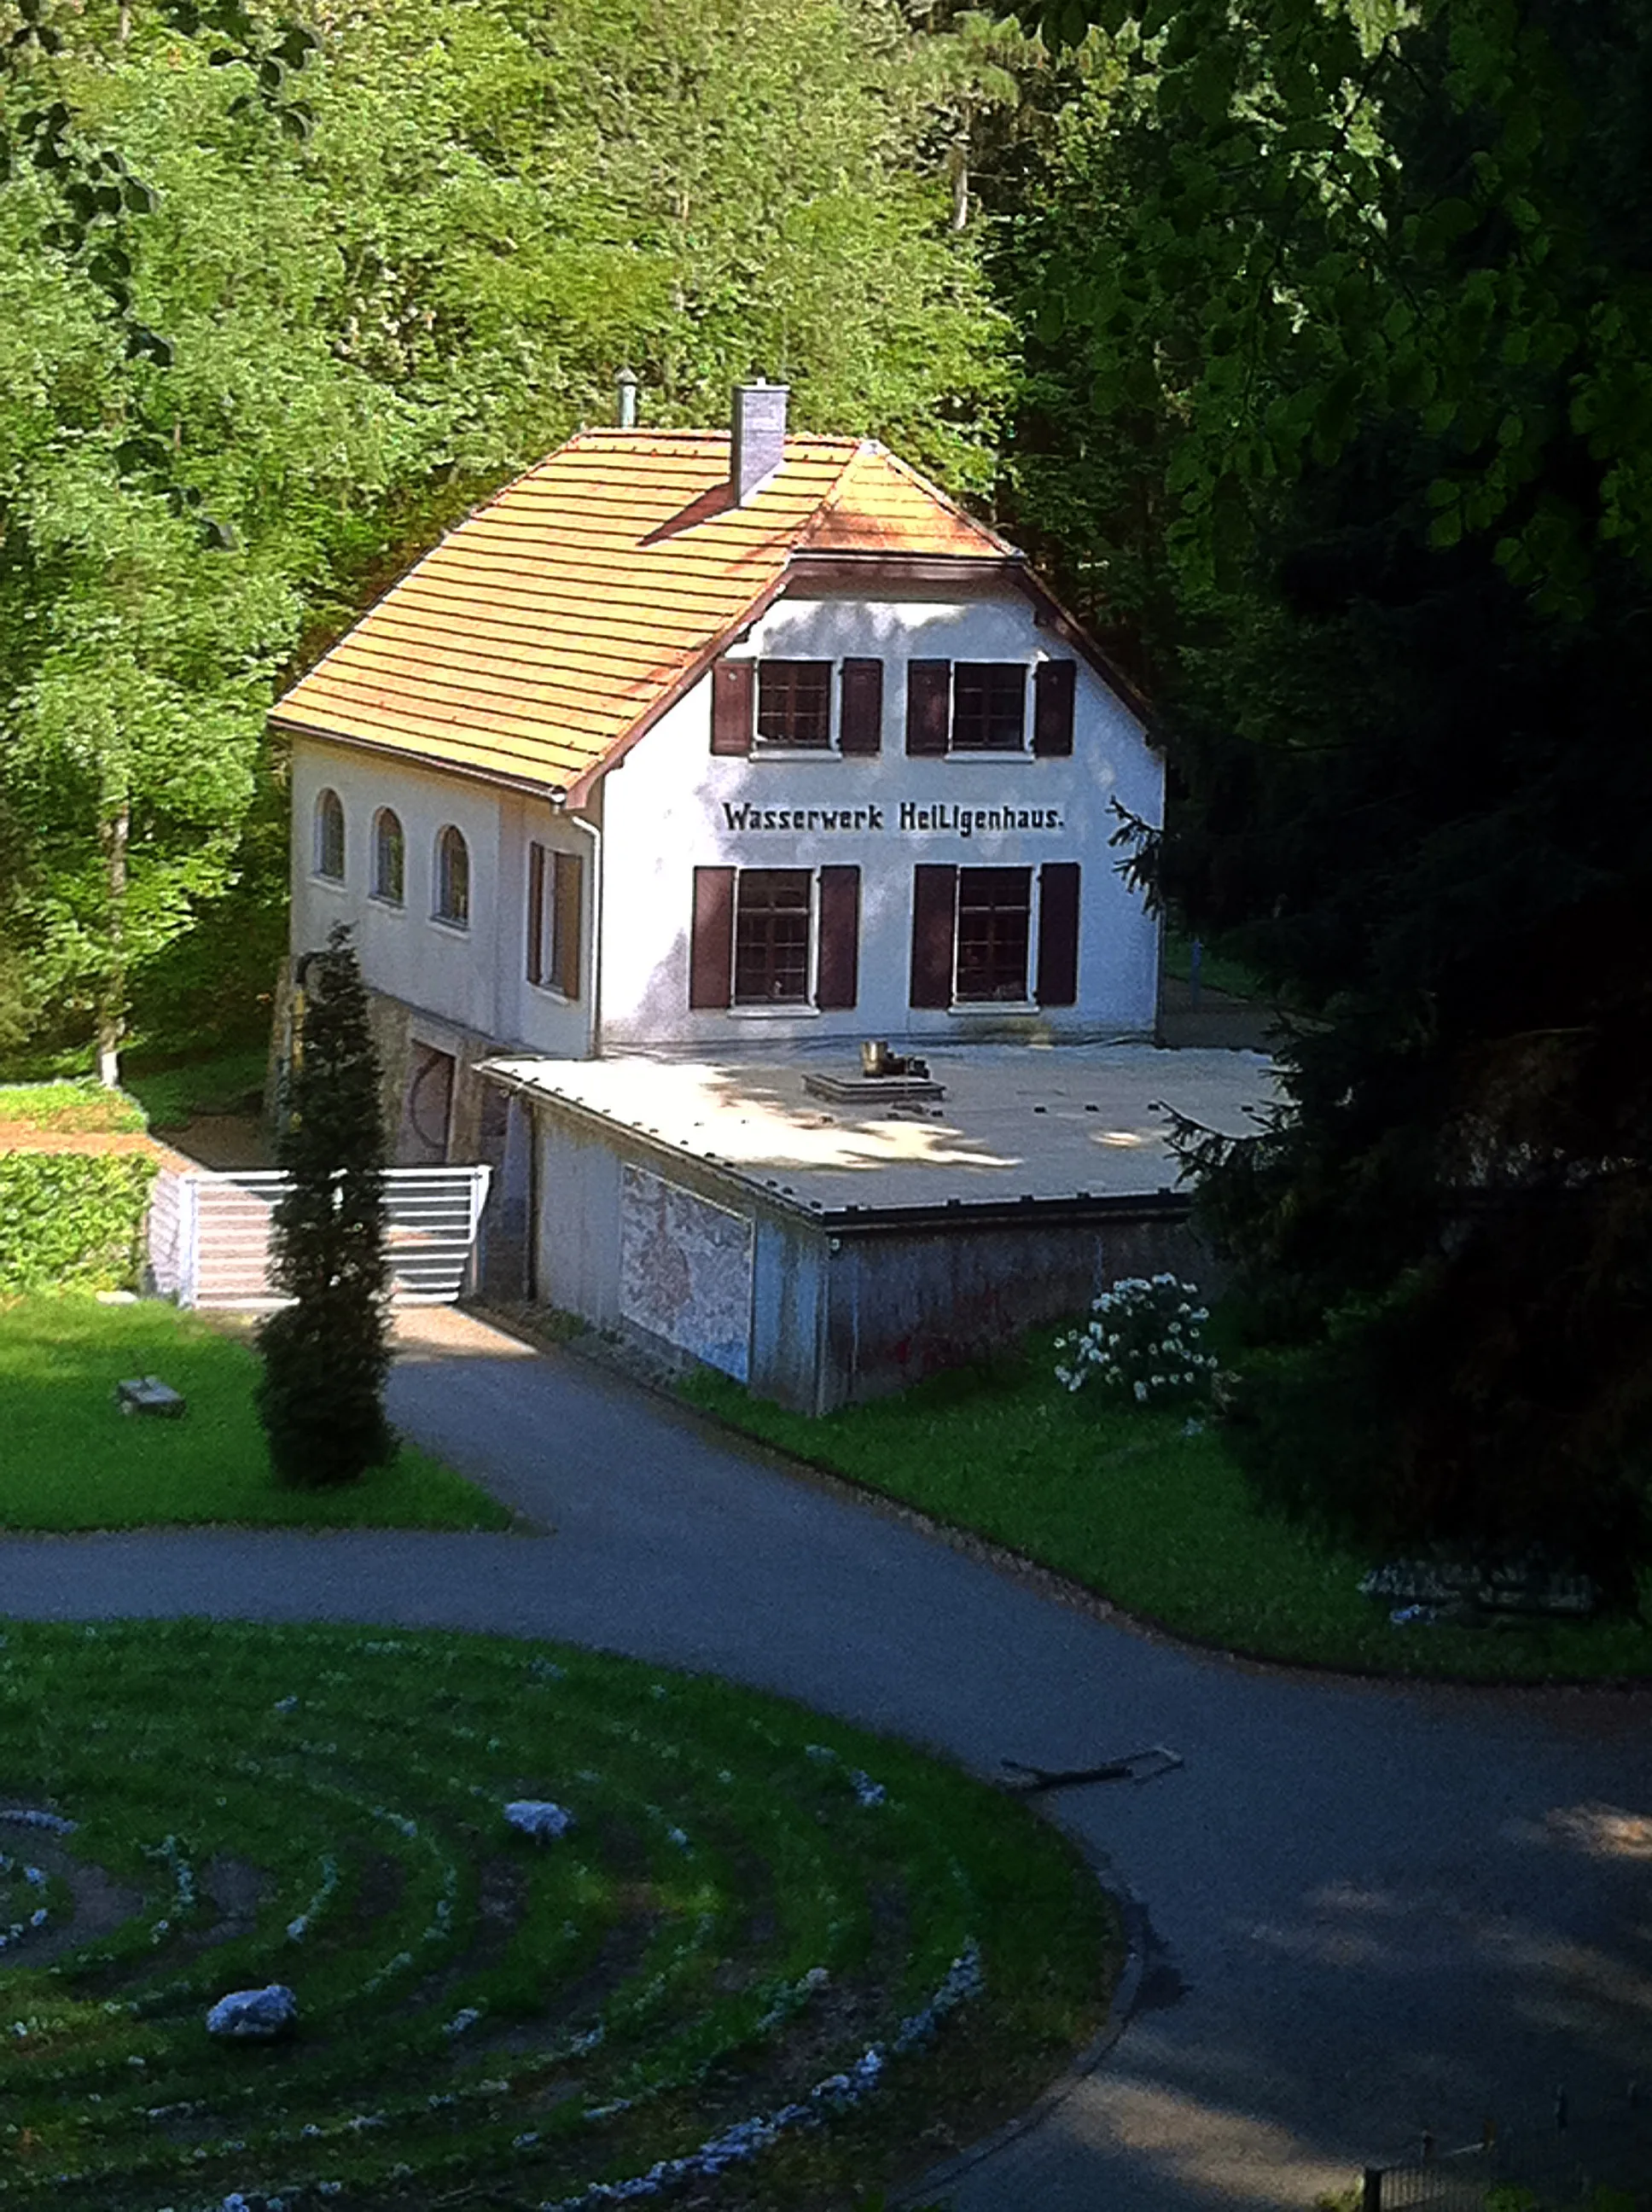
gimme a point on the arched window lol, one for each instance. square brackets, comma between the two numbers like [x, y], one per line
[453, 878]
[389, 871]
[330, 836]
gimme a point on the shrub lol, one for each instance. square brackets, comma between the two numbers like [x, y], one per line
[1143, 1343]
[71, 1220]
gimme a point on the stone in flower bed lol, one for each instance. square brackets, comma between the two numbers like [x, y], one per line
[538, 1817]
[254, 2014]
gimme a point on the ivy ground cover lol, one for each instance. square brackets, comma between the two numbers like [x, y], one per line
[768, 1957]
[1147, 1508]
[70, 1461]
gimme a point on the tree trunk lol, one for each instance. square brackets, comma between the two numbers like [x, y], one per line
[113, 834]
[958, 167]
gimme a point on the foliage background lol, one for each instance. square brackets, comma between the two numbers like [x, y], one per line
[361, 331]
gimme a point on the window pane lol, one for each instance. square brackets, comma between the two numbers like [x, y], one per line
[387, 858]
[771, 936]
[452, 878]
[794, 702]
[995, 912]
[988, 706]
[330, 835]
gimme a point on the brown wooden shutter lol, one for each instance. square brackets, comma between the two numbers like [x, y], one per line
[1058, 934]
[860, 721]
[929, 705]
[536, 969]
[711, 950]
[837, 969]
[934, 921]
[568, 894]
[1053, 692]
[733, 690]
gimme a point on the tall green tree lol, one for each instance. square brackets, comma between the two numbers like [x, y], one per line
[1359, 344]
[326, 1356]
[278, 304]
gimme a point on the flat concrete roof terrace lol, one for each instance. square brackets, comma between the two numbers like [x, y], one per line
[1018, 1123]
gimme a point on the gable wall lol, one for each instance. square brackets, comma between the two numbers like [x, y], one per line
[667, 810]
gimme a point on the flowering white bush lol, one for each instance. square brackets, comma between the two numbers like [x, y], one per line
[1143, 1343]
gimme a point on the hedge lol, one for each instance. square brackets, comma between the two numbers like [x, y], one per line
[71, 1219]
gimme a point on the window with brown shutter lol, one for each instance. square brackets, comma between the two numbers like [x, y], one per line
[929, 706]
[733, 704]
[711, 948]
[860, 722]
[567, 911]
[771, 937]
[1058, 934]
[794, 703]
[1054, 683]
[837, 977]
[934, 901]
[989, 707]
[536, 960]
[994, 924]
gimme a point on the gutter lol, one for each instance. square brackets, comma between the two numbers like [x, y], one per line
[558, 796]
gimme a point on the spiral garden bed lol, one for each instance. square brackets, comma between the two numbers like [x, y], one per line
[768, 1959]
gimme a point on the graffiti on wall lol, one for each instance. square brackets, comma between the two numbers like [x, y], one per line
[685, 1271]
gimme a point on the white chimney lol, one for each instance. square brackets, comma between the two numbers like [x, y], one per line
[758, 445]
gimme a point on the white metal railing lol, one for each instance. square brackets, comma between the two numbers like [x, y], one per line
[208, 1236]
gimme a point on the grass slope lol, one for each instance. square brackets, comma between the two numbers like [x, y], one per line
[79, 1109]
[1157, 1520]
[228, 1083]
[70, 1461]
[750, 1899]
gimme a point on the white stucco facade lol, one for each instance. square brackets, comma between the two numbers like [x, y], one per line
[671, 805]
[470, 980]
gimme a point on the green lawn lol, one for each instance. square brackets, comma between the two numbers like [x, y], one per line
[748, 1898]
[1154, 1519]
[70, 1461]
[81, 1107]
[1216, 973]
[226, 1084]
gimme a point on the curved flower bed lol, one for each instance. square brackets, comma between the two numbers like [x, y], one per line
[752, 1935]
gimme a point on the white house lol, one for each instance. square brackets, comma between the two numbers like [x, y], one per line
[678, 770]
[712, 747]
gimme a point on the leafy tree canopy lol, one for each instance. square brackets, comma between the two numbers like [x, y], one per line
[1344, 313]
[277, 303]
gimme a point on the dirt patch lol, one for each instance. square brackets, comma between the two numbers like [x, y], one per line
[98, 1903]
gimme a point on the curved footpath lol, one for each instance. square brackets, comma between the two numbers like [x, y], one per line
[1372, 1909]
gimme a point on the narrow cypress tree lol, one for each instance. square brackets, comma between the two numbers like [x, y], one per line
[326, 1356]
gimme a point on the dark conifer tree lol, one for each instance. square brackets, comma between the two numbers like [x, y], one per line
[326, 1356]
[1348, 324]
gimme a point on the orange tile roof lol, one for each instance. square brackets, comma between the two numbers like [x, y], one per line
[557, 621]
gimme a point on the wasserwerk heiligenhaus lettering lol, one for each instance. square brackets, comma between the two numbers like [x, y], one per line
[944, 816]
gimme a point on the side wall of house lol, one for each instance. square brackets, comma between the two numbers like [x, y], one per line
[671, 805]
[440, 987]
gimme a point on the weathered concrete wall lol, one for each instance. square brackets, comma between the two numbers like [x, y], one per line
[903, 1304]
[834, 1318]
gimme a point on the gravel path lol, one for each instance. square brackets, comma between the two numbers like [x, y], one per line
[1366, 1909]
